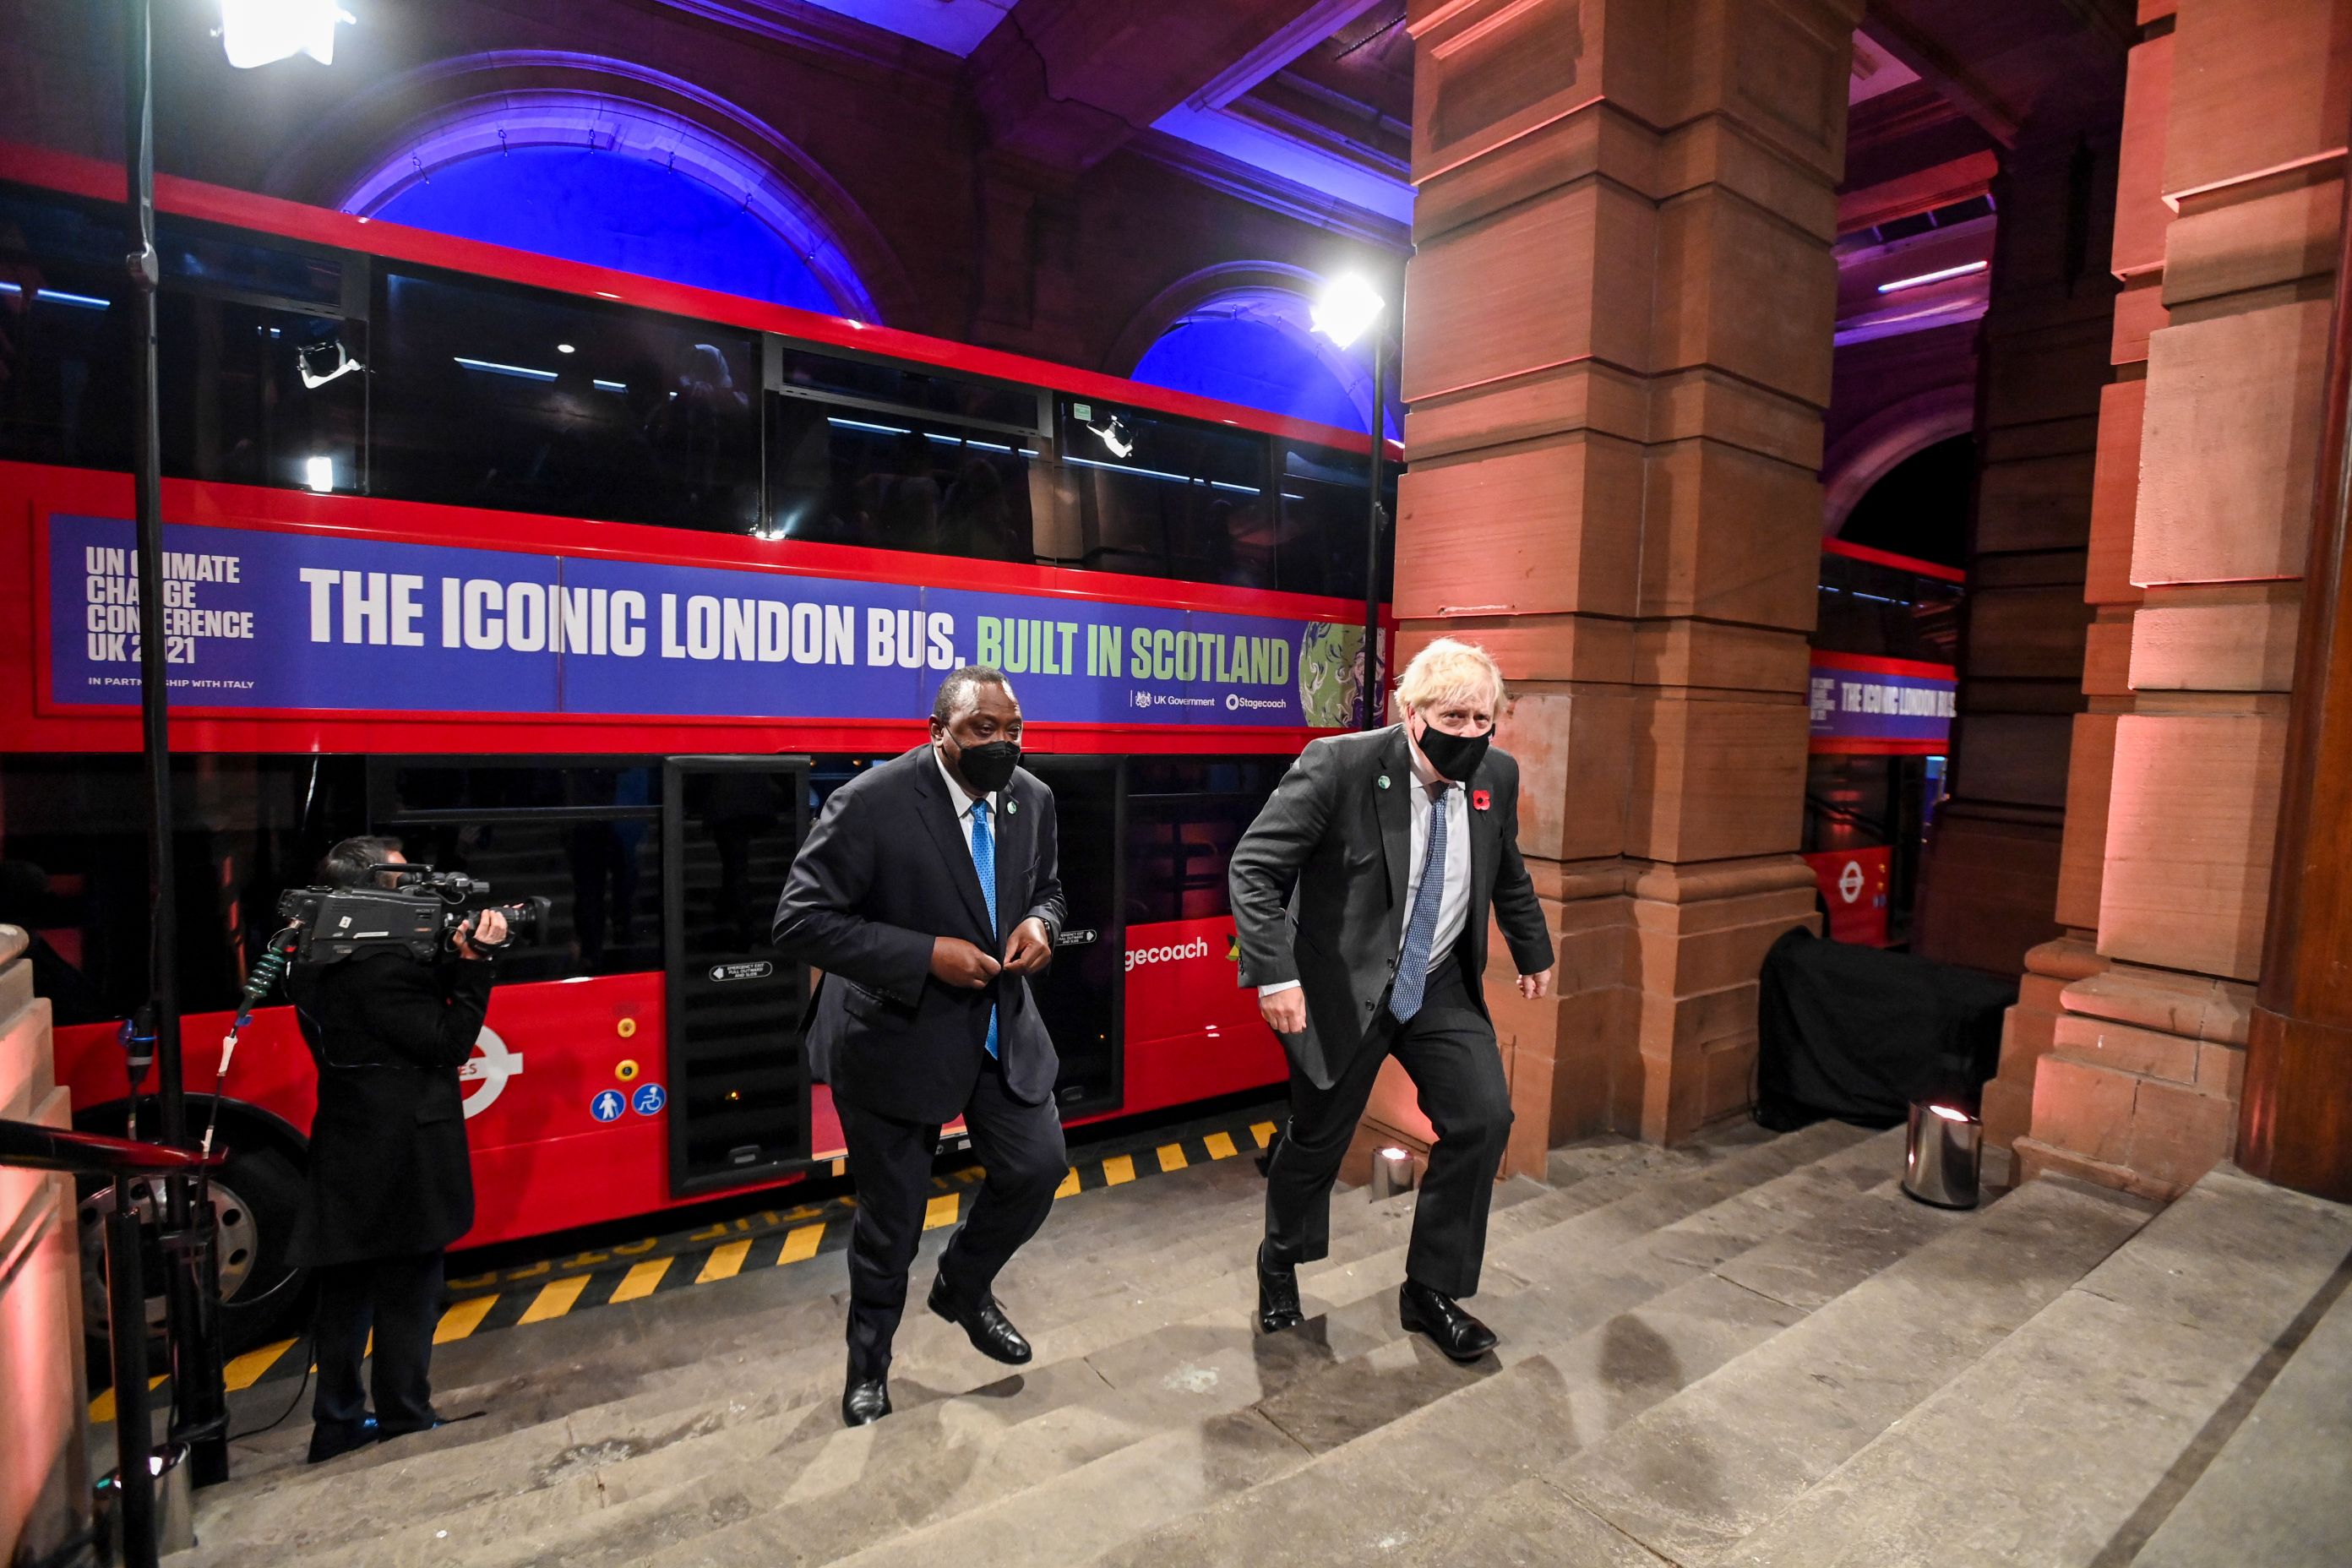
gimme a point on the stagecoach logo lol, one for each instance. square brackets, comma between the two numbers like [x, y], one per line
[1137, 958]
[486, 1072]
[1234, 699]
[759, 969]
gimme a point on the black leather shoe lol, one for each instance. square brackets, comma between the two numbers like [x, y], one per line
[332, 1439]
[387, 1434]
[992, 1334]
[866, 1401]
[1422, 1310]
[1277, 1295]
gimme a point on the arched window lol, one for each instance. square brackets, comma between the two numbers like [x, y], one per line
[1254, 347]
[596, 178]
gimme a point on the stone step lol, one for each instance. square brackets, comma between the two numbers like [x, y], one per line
[1692, 1475]
[543, 1429]
[2058, 1446]
[1160, 1378]
[644, 1347]
[1399, 1376]
[2279, 1492]
[595, 1355]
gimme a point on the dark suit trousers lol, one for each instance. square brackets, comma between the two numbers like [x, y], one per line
[1448, 1048]
[400, 1299]
[1019, 1146]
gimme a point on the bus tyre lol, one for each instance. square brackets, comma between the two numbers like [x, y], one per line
[254, 1196]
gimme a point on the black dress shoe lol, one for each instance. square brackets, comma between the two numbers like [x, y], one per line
[434, 1424]
[1426, 1312]
[1277, 1295]
[992, 1334]
[866, 1401]
[332, 1439]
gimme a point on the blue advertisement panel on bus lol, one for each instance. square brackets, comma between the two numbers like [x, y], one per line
[267, 620]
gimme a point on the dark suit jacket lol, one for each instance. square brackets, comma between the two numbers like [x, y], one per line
[1346, 844]
[389, 1172]
[884, 873]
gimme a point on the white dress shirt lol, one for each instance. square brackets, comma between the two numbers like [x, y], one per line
[1454, 893]
[960, 801]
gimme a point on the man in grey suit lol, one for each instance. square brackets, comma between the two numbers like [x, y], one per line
[1361, 894]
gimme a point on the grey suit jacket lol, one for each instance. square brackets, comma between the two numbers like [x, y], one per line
[1319, 886]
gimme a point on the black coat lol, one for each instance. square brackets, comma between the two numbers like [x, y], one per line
[1339, 831]
[884, 873]
[389, 1172]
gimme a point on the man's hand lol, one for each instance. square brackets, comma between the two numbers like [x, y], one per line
[1533, 986]
[959, 964]
[1284, 1012]
[490, 927]
[1029, 949]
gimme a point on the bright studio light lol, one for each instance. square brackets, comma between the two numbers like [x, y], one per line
[1347, 307]
[1935, 276]
[262, 32]
[319, 473]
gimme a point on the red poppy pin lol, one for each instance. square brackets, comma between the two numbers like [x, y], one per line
[1480, 800]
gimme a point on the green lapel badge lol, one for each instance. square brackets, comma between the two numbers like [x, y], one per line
[1010, 806]
[1382, 781]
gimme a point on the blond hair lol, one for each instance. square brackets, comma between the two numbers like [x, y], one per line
[1449, 668]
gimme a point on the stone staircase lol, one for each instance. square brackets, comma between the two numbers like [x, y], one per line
[1751, 1352]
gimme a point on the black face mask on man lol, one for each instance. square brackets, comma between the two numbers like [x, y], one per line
[988, 767]
[1455, 756]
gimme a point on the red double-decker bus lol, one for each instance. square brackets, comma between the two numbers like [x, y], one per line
[594, 586]
[1884, 678]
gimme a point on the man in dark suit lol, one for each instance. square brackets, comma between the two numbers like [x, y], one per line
[391, 1184]
[928, 894]
[1398, 842]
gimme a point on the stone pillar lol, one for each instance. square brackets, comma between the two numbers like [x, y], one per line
[2230, 281]
[43, 1423]
[1616, 355]
[1991, 873]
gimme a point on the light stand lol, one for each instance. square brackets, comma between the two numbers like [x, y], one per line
[1349, 306]
[192, 1270]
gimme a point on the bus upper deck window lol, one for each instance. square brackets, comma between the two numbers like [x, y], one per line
[488, 395]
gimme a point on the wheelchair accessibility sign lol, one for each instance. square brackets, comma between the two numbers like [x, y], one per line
[648, 1099]
[607, 1106]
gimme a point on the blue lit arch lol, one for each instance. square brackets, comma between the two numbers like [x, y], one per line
[614, 180]
[1243, 333]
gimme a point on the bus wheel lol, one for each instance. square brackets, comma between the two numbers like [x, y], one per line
[255, 1196]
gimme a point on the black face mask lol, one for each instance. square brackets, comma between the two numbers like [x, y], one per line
[1455, 756]
[989, 767]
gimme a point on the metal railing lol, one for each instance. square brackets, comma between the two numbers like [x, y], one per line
[122, 1160]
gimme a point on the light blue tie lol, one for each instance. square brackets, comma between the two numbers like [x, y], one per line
[983, 860]
[1421, 929]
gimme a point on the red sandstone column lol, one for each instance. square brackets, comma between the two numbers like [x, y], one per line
[1617, 352]
[2140, 1084]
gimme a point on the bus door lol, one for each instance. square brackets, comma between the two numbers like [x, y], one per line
[1080, 997]
[738, 1079]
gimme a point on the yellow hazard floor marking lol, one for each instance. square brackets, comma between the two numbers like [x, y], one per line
[246, 1370]
[1219, 1146]
[554, 1299]
[1069, 1185]
[463, 1318]
[1171, 1157]
[941, 1210]
[725, 1262]
[102, 1407]
[1263, 1131]
[1117, 1169]
[641, 1279]
[802, 1242]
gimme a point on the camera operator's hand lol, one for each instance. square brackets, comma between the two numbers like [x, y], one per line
[959, 964]
[490, 927]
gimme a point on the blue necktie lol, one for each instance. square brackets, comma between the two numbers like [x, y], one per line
[1421, 928]
[983, 860]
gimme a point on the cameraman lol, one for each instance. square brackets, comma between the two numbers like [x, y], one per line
[390, 1181]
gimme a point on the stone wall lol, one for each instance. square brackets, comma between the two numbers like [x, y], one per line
[44, 1476]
